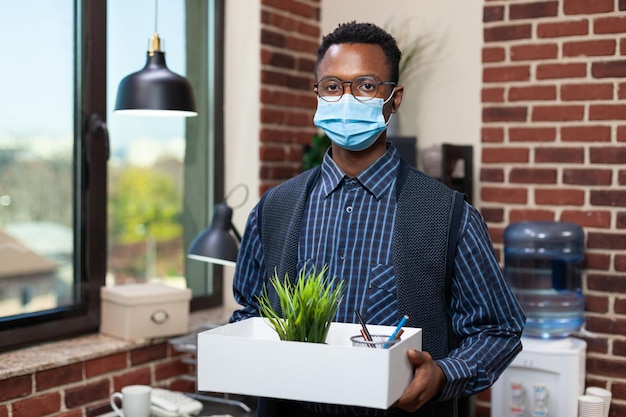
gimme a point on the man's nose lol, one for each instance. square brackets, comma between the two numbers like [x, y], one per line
[347, 87]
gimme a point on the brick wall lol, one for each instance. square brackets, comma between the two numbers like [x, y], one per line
[554, 148]
[83, 389]
[290, 34]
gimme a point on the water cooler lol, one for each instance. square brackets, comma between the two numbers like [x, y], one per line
[543, 266]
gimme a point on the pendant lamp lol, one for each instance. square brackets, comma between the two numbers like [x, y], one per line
[155, 90]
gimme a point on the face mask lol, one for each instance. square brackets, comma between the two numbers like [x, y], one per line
[349, 123]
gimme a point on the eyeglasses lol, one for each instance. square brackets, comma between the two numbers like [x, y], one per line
[362, 88]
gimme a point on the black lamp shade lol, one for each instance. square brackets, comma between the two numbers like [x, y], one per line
[155, 91]
[216, 244]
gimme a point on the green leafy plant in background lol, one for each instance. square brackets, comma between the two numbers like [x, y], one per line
[308, 305]
[413, 47]
[411, 55]
[313, 154]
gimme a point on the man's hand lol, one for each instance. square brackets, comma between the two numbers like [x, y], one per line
[428, 381]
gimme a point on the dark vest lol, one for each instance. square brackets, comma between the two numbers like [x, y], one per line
[424, 242]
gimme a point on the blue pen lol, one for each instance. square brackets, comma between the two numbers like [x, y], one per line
[396, 331]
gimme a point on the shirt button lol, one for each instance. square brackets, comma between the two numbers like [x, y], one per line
[349, 209]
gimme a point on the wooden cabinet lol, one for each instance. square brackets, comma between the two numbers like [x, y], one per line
[457, 168]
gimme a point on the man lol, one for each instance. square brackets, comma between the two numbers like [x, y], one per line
[403, 242]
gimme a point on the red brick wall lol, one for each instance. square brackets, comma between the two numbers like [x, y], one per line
[290, 33]
[554, 148]
[84, 388]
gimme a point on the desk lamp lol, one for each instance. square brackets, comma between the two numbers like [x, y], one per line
[216, 244]
[219, 244]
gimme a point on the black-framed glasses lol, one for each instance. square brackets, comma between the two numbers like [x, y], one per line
[362, 88]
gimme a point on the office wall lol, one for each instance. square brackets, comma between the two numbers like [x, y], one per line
[270, 51]
[554, 136]
[442, 100]
[242, 101]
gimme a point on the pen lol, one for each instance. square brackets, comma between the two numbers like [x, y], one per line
[366, 333]
[367, 339]
[396, 331]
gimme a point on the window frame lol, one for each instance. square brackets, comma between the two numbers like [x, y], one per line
[91, 151]
[204, 178]
[90, 157]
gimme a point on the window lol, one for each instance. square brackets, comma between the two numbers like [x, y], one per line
[160, 166]
[58, 85]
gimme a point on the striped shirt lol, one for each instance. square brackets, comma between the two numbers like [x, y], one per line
[347, 225]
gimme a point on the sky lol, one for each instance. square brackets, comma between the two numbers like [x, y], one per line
[36, 78]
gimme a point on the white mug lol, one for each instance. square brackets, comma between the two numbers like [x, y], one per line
[135, 401]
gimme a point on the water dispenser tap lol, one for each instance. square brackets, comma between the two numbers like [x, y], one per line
[517, 399]
[540, 405]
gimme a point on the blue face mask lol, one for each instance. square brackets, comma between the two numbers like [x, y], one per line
[349, 123]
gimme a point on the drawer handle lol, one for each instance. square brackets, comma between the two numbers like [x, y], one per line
[159, 316]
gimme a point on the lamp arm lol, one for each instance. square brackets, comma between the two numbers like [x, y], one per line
[236, 232]
[232, 226]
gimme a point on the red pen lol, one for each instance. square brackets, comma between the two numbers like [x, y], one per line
[369, 339]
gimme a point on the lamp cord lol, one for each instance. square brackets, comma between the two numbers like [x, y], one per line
[156, 14]
[245, 187]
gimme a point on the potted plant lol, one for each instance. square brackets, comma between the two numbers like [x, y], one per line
[307, 307]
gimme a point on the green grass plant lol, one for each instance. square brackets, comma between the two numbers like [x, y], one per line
[308, 306]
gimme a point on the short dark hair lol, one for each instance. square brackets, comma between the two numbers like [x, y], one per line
[353, 32]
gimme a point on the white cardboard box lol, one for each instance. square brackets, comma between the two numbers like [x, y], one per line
[248, 358]
[136, 311]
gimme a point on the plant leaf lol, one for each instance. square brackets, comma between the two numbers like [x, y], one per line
[308, 306]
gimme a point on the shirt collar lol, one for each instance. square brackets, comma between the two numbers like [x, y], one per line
[377, 178]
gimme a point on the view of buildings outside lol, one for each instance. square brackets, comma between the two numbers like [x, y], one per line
[147, 153]
[36, 155]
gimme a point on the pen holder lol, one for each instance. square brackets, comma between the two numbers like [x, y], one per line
[377, 342]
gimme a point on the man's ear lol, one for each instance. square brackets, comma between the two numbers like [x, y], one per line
[397, 99]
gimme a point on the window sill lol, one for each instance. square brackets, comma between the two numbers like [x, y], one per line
[51, 355]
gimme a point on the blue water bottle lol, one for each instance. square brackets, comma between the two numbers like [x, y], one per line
[542, 263]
